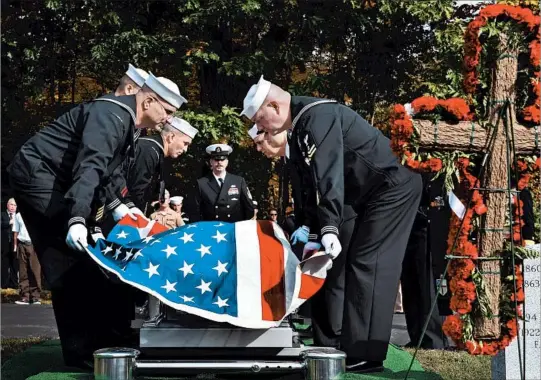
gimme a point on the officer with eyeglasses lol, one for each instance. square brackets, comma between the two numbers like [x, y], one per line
[221, 196]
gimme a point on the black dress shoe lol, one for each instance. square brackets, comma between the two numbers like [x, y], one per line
[355, 366]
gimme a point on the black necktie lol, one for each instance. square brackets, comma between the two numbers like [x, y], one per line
[221, 180]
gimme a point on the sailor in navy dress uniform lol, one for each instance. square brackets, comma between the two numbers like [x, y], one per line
[62, 177]
[326, 307]
[173, 141]
[220, 195]
[350, 163]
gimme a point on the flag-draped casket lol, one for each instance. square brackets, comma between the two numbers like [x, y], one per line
[243, 273]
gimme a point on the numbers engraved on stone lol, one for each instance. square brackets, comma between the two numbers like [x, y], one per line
[533, 332]
[532, 268]
[532, 283]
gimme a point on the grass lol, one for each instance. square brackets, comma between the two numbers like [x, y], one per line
[450, 365]
[454, 365]
[14, 346]
[12, 295]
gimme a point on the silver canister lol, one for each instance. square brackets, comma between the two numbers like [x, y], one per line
[323, 363]
[114, 363]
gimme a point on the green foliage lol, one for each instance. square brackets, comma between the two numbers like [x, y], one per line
[216, 126]
[367, 53]
[430, 10]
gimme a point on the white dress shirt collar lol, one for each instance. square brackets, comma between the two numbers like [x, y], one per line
[222, 176]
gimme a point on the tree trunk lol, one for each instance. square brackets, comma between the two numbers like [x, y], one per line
[467, 136]
[497, 201]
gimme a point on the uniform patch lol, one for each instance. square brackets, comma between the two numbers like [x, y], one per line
[99, 213]
[308, 148]
[233, 190]
[443, 283]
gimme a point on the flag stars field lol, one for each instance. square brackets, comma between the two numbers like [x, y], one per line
[220, 268]
[195, 265]
[204, 287]
[169, 287]
[128, 255]
[122, 235]
[186, 269]
[152, 270]
[137, 254]
[186, 238]
[221, 302]
[219, 237]
[204, 250]
[187, 299]
[169, 250]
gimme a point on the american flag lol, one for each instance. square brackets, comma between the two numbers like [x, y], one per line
[242, 273]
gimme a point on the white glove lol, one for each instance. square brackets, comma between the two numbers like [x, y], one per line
[121, 211]
[76, 238]
[135, 211]
[332, 245]
[313, 247]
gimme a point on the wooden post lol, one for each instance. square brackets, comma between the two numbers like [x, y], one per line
[497, 201]
[471, 137]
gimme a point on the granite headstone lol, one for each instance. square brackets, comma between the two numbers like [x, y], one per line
[506, 364]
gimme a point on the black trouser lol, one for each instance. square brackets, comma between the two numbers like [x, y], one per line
[91, 316]
[10, 265]
[90, 310]
[327, 305]
[418, 290]
[373, 267]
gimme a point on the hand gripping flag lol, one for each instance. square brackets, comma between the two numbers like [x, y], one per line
[243, 273]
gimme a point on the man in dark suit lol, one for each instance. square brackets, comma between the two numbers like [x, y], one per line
[9, 257]
[219, 195]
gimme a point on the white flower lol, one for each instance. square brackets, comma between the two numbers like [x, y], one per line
[409, 109]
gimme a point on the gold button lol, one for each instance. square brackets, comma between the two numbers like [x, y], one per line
[216, 216]
[229, 216]
[227, 206]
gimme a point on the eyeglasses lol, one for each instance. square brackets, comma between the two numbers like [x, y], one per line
[167, 112]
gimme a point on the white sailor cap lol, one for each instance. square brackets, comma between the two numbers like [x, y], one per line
[219, 150]
[253, 132]
[176, 200]
[139, 76]
[255, 97]
[166, 89]
[182, 126]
